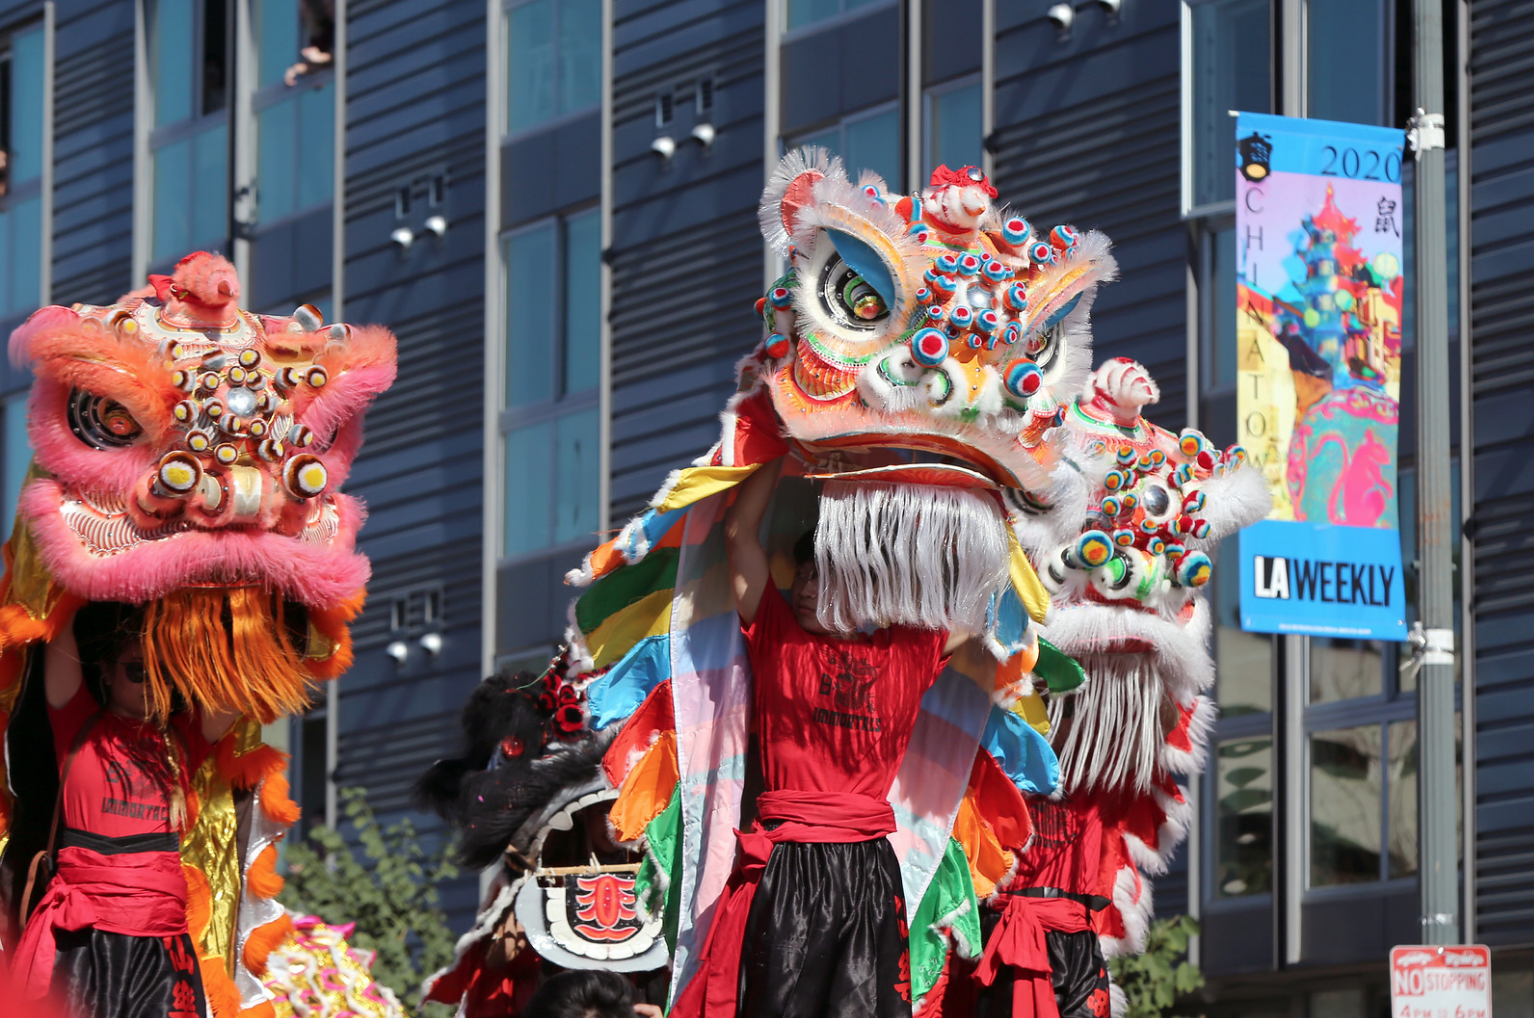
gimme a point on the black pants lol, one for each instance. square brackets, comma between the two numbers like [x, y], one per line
[1079, 975]
[113, 975]
[826, 936]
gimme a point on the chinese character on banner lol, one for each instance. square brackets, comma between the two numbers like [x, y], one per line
[1319, 287]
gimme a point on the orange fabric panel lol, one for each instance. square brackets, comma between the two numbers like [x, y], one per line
[989, 863]
[654, 716]
[647, 790]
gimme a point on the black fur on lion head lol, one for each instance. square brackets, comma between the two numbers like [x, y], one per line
[524, 743]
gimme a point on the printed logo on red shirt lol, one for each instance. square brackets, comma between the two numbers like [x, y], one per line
[132, 777]
[848, 679]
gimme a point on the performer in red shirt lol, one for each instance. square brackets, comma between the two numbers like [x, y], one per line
[816, 898]
[109, 935]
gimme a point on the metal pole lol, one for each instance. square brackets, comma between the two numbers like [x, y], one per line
[1438, 877]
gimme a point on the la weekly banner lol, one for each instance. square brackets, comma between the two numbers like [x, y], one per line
[1318, 331]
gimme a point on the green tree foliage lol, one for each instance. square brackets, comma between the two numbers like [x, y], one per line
[390, 893]
[1152, 980]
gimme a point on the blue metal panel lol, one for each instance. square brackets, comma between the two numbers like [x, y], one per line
[93, 151]
[684, 233]
[1085, 133]
[552, 170]
[416, 109]
[290, 260]
[1501, 248]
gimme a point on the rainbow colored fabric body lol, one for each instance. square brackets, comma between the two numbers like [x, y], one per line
[658, 615]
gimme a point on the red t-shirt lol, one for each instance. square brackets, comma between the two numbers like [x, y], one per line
[835, 715]
[111, 789]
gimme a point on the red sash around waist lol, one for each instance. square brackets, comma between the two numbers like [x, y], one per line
[1018, 942]
[142, 894]
[804, 817]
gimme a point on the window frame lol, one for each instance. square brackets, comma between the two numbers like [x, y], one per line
[560, 404]
[928, 96]
[557, 119]
[1190, 209]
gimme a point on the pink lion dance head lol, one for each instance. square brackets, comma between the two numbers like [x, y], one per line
[188, 452]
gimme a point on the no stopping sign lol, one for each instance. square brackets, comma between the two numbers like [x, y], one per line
[1440, 982]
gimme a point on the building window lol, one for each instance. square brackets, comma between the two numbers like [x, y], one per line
[551, 424]
[1363, 803]
[952, 126]
[21, 170]
[1346, 76]
[869, 140]
[1229, 69]
[294, 106]
[1243, 661]
[798, 13]
[18, 457]
[1242, 811]
[1243, 817]
[295, 149]
[294, 38]
[188, 63]
[553, 60]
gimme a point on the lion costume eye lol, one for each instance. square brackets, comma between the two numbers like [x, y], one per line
[848, 298]
[101, 422]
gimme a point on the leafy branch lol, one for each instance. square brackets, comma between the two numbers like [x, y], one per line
[1155, 978]
[390, 893]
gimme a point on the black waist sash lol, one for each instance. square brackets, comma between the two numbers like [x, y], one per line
[163, 841]
[1095, 902]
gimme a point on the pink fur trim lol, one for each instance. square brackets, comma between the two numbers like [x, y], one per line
[315, 576]
[359, 370]
[41, 320]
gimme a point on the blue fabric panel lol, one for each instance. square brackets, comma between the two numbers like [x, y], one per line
[1023, 753]
[618, 694]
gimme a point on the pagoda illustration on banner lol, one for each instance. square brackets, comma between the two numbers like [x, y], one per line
[1337, 321]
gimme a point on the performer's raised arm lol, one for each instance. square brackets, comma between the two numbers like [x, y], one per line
[749, 570]
[61, 668]
[215, 723]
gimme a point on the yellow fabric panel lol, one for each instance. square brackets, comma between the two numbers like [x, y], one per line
[646, 792]
[1026, 582]
[696, 483]
[649, 616]
[989, 863]
[1032, 710]
[212, 846]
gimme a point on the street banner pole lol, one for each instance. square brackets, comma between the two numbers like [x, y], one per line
[1434, 646]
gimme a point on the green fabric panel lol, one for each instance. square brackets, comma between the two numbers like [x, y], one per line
[1059, 671]
[949, 902]
[664, 836]
[622, 587]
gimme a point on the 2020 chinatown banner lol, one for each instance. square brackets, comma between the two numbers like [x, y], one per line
[1318, 330]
